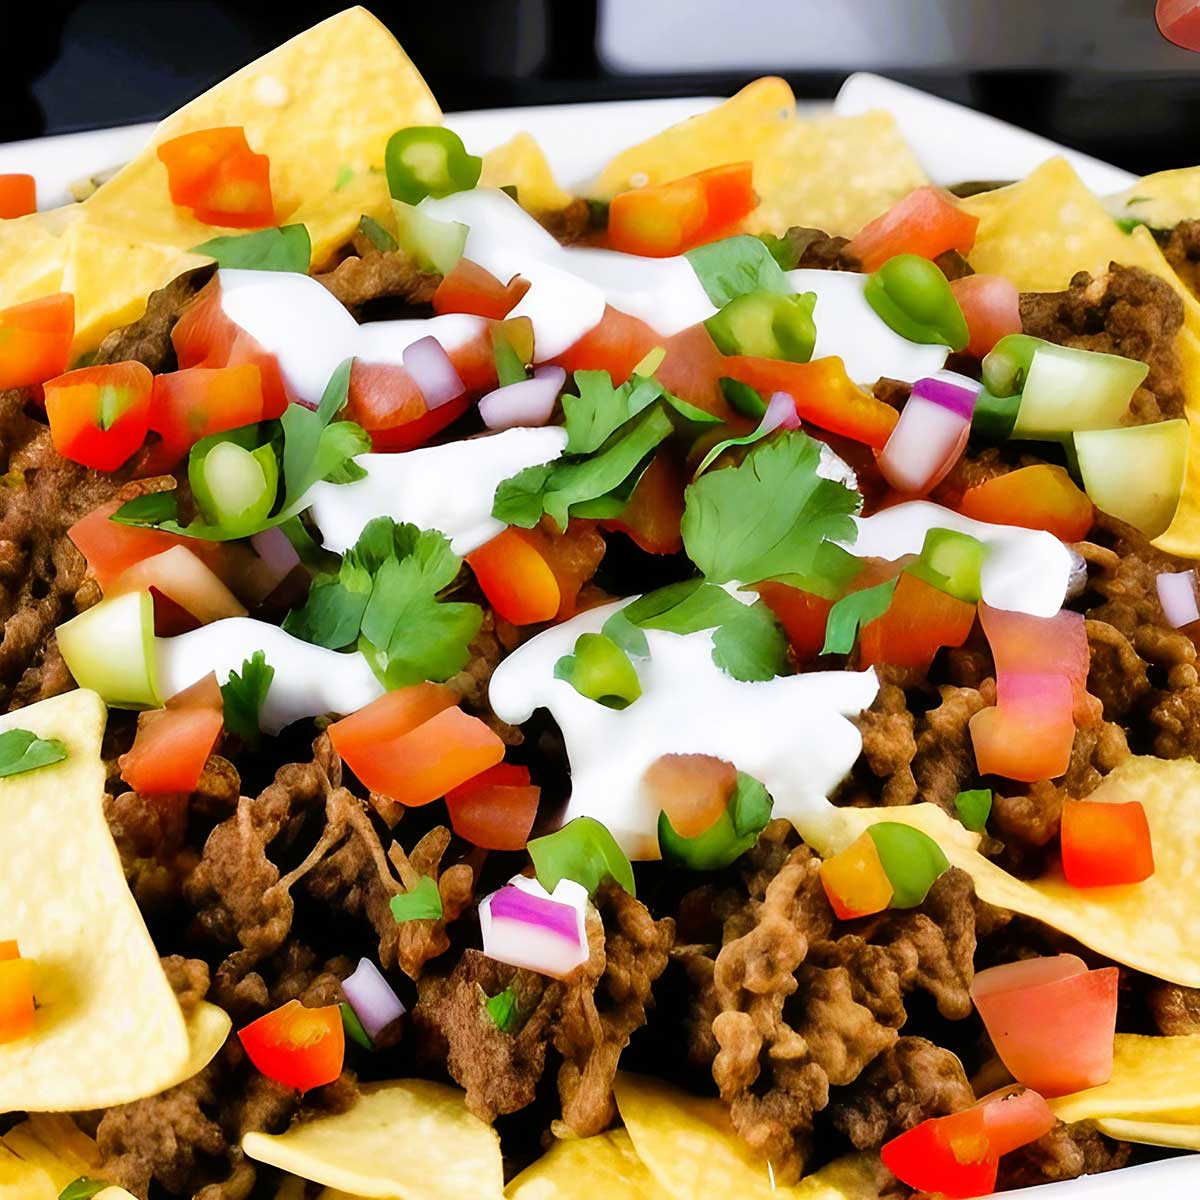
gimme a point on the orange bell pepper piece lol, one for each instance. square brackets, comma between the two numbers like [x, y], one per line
[1037, 497]
[1105, 844]
[35, 340]
[855, 882]
[516, 579]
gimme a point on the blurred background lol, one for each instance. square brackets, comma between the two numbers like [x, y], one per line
[1094, 74]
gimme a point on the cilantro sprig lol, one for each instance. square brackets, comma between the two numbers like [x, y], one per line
[22, 750]
[243, 696]
[386, 598]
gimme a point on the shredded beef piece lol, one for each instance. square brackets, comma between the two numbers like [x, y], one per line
[189, 979]
[379, 275]
[1176, 1009]
[471, 683]
[892, 392]
[1182, 250]
[905, 1085]
[148, 339]
[945, 758]
[953, 265]
[818, 251]
[1128, 312]
[570, 225]
[1066, 1152]
[888, 744]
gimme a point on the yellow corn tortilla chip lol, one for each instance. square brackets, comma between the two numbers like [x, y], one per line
[55, 1145]
[409, 1140]
[320, 106]
[1152, 1133]
[20, 1180]
[108, 1028]
[1161, 200]
[522, 164]
[691, 1149]
[115, 1193]
[833, 173]
[593, 1168]
[31, 261]
[1153, 1077]
[1152, 926]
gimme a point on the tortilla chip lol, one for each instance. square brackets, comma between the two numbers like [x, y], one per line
[409, 1140]
[833, 173]
[1152, 1078]
[20, 1180]
[1152, 926]
[108, 1028]
[115, 1193]
[320, 106]
[32, 261]
[522, 164]
[1161, 200]
[691, 1149]
[1151, 1133]
[54, 1145]
[593, 1168]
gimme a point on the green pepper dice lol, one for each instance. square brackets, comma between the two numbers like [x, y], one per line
[429, 160]
[911, 295]
[600, 670]
[951, 562]
[729, 837]
[764, 324]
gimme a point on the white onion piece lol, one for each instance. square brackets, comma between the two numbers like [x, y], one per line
[372, 998]
[526, 402]
[1177, 595]
[534, 945]
[925, 444]
[432, 372]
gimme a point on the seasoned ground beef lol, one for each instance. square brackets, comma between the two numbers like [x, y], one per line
[1182, 249]
[372, 275]
[148, 339]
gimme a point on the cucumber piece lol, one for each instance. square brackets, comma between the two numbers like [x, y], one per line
[435, 245]
[1071, 390]
[110, 649]
[235, 488]
[1135, 473]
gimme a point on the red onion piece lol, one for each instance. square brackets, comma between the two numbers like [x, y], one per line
[372, 998]
[277, 552]
[513, 904]
[1177, 595]
[433, 372]
[956, 392]
[526, 402]
[781, 414]
[524, 926]
[926, 443]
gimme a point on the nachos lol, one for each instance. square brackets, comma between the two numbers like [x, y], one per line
[684, 687]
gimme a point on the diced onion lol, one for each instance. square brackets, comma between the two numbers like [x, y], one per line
[275, 559]
[951, 390]
[1177, 595]
[433, 372]
[372, 998]
[526, 402]
[525, 926]
[928, 439]
[781, 414]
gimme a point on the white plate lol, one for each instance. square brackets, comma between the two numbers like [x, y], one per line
[953, 143]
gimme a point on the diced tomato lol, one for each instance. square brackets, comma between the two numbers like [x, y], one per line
[99, 415]
[692, 789]
[802, 614]
[1179, 22]
[205, 337]
[616, 345]
[1058, 645]
[1038, 497]
[216, 174]
[855, 881]
[1014, 1117]
[670, 218]
[919, 621]
[496, 809]
[17, 1011]
[990, 306]
[192, 404]
[653, 516]
[928, 222]
[1104, 845]
[302, 1048]
[516, 579]
[35, 340]
[173, 743]
[18, 196]
[470, 289]
[179, 575]
[414, 745]
[1051, 1020]
[1029, 734]
[951, 1156]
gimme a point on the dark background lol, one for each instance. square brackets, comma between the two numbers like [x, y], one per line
[78, 64]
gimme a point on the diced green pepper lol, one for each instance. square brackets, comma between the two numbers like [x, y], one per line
[742, 398]
[582, 850]
[234, 487]
[433, 245]
[951, 562]
[912, 860]
[911, 295]
[974, 808]
[429, 160]
[728, 838]
[600, 670]
[765, 324]
[509, 367]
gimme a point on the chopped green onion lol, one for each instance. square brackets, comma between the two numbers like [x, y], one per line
[1006, 366]
[974, 808]
[110, 649]
[764, 324]
[429, 160]
[509, 366]
[433, 245]
[911, 859]
[504, 1010]
[911, 295]
[600, 670]
[582, 850]
[994, 416]
[234, 488]
[951, 562]
[422, 903]
[728, 838]
[742, 398]
[376, 234]
[651, 361]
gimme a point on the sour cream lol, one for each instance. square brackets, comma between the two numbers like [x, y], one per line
[309, 680]
[792, 733]
[450, 488]
[1024, 570]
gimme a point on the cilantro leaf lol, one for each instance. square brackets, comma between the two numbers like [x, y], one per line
[422, 903]
[376, 234]
[600, 409]
[619, 629]
[83, 1188]
[504, 1010]
[243, 696]
[287, 248]
[737, 265]
[22, 750]
[852, 612]
[974, 808]
[751, 646]
[155, 508]
[766, 516]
